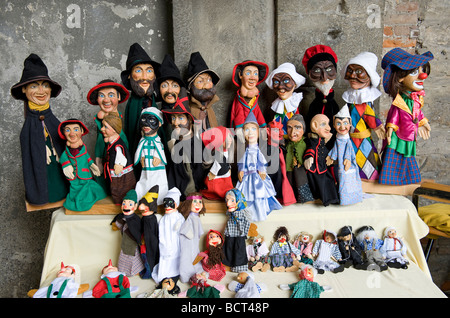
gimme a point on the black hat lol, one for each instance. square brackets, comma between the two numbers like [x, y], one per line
[92, 95]
[346, 230]
[34, 70]
[168, 70]
[263, 70]
[197, 66]
[137, 55]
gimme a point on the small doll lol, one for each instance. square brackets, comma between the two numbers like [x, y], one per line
[212, 258]
[283, 254]
[246, 287]
[167, 288]
[350, 249]
[403, 78]
[320, 178]
[112, 284]
[326, 254]
[350, 186]
[370, 245]
[219, 140]
[258, 254]
[306, 287]
[254, 183]
[200, 287]
[190, 233]
[78, 167]
[295, 149]
[304, 243]
[169, 238]
[394, 249]
[118, 163]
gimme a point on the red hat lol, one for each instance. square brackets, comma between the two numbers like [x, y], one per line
[318, 53]
[213, 231]
[214, 138]
[71, 121]
[93, 92]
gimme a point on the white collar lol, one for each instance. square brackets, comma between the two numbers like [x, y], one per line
[359, 96]
[291, 103]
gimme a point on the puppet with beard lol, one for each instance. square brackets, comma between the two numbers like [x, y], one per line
[212, 258]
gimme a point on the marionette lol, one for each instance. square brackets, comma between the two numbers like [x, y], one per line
[370, 245]
[200, 287]
[169, 238]
[320, 178]
[326, 254]
[247, 76]
[304, 243]
[320, 63]
[350, 249]
[361, 74]
[150, 155]
[118, 164]
[40, 143]
[403, 78]
[167, 288]
[284, 80]
[258, 254]
[212, 258]
[190, 233]
[138, 77]
[79, 168]
[219, 141]
[306, 287]
[394, 249]
[283, 254]
[295, 149]
[129, 224]
[347, 171]
[254, 183]
[112, 284]
[245, 286]
[202, 82]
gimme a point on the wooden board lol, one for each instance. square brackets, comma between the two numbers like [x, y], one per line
[31, 207]
[375, 187]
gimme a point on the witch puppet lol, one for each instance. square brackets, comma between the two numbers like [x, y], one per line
[403, 81]
[79, 168]
[40, 143]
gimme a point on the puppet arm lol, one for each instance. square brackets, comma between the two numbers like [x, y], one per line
[380, 131]
[424, 131]
[68, 172]
[95, 170]
[308, 163]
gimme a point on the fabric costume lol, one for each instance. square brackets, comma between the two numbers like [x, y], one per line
[350, 249]
[216, 271]
[60, 287]
[370, 247]
[201, 289]
[324, 251]
[281, 254]
[306, 289]
[190, 233]
[394, 250]
[250, 289]
[305, 249]
[112, 285]
[257, 249]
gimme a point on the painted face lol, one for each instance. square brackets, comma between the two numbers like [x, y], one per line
[169, 89]
[251, 131]
[109, 269]
[169, 205]
[197, 205]
[203, 81]
[180, 121]
[231, 203]
[320, 125]
[214, 239]
[283, 84]
[413, 82]
[304, 238]
[108, 99]
[144, 75]
[357, 76]
[128, 207]
[249, 77]
[329, 238]
[38, 92]
[307, 273]
[73, 133]
[168, 284]
[295, 130]
[107, 130]
[149, 124]
[67, 271]
[242, 277]
[392, 233]
[322, 71]
[342, 125]
[282, 238]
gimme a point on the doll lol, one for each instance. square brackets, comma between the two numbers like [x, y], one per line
[284, 80]
[246, 287]
[118, 164]
[361, 74]
[306, 287]
[349, 181]
[394, 249]
[403, 78]
[304, 243]
[112, 284]
[350, 249]
[65, 285]
[247, 76]
[150, 155]
[40, 142]
[200, 287]
[190, 233]
[283, 254]
[326, 254]
[370, 245]
[169, 84]
[295, 149]
[254, 183]
[320, 179]
[78, 167]
[258, 254]
[219, 140]
[167, 288]
[212, 258]
[169, 238]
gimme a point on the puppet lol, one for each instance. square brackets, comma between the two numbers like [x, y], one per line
[326, 254]
[112, 284]
[284, 80]
[212, 258]
[370, 245]
[306, 287]
[190, 233]
[169, 238]
[247, 76]
[349, 181]
[78, 167]
[295, 149]
[150, 155]
[200, 287]
[245, 286]
[320, 178]
[350, 249]
[304, 243]
[40, 143]
[258, 254]
[283, 254]
[254, 183]
[167, 288]
[394, 249]
[403, 80]
[361, 74]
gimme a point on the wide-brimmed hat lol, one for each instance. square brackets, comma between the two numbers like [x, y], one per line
[92, 95]
[71, 121]
[181, 106]
[197, 66]
[318, 53]
[263, 70]
[34, 70]
[403, 60]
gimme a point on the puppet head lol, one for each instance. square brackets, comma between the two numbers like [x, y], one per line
[251, 129]
[111, 127]
[129, 202]
[281, 235]
[192, 204]
[248, 75]
[307, 272]
[202, 80]
[180, 116]
[66, 271]
[320, 63]
[150, 121]
[295, 128]
[390, 232]
[320, 125]
[107, 95]
[342, 121]
[304, 237]
[214, 247]
[172, 200]
[345, 233]
[72, 130]
[148, 205]
[329, 237]
[109, 268]
[169, 83]
[235, 200]
[284, 80]
[366, 233]
[361, 71]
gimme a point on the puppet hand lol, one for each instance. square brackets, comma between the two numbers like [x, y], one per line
[329, 161]
[99, 162]
[294, 161]
[156, 161]
[308, 163]
[211, 176]
[48, 154]
[380, 132]
[68, 172]
[95, 170]
[262, 175]
[389, 135]
[240, 175]
[118, 169]
[143, 162]
[347, 164]
[424, 131]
